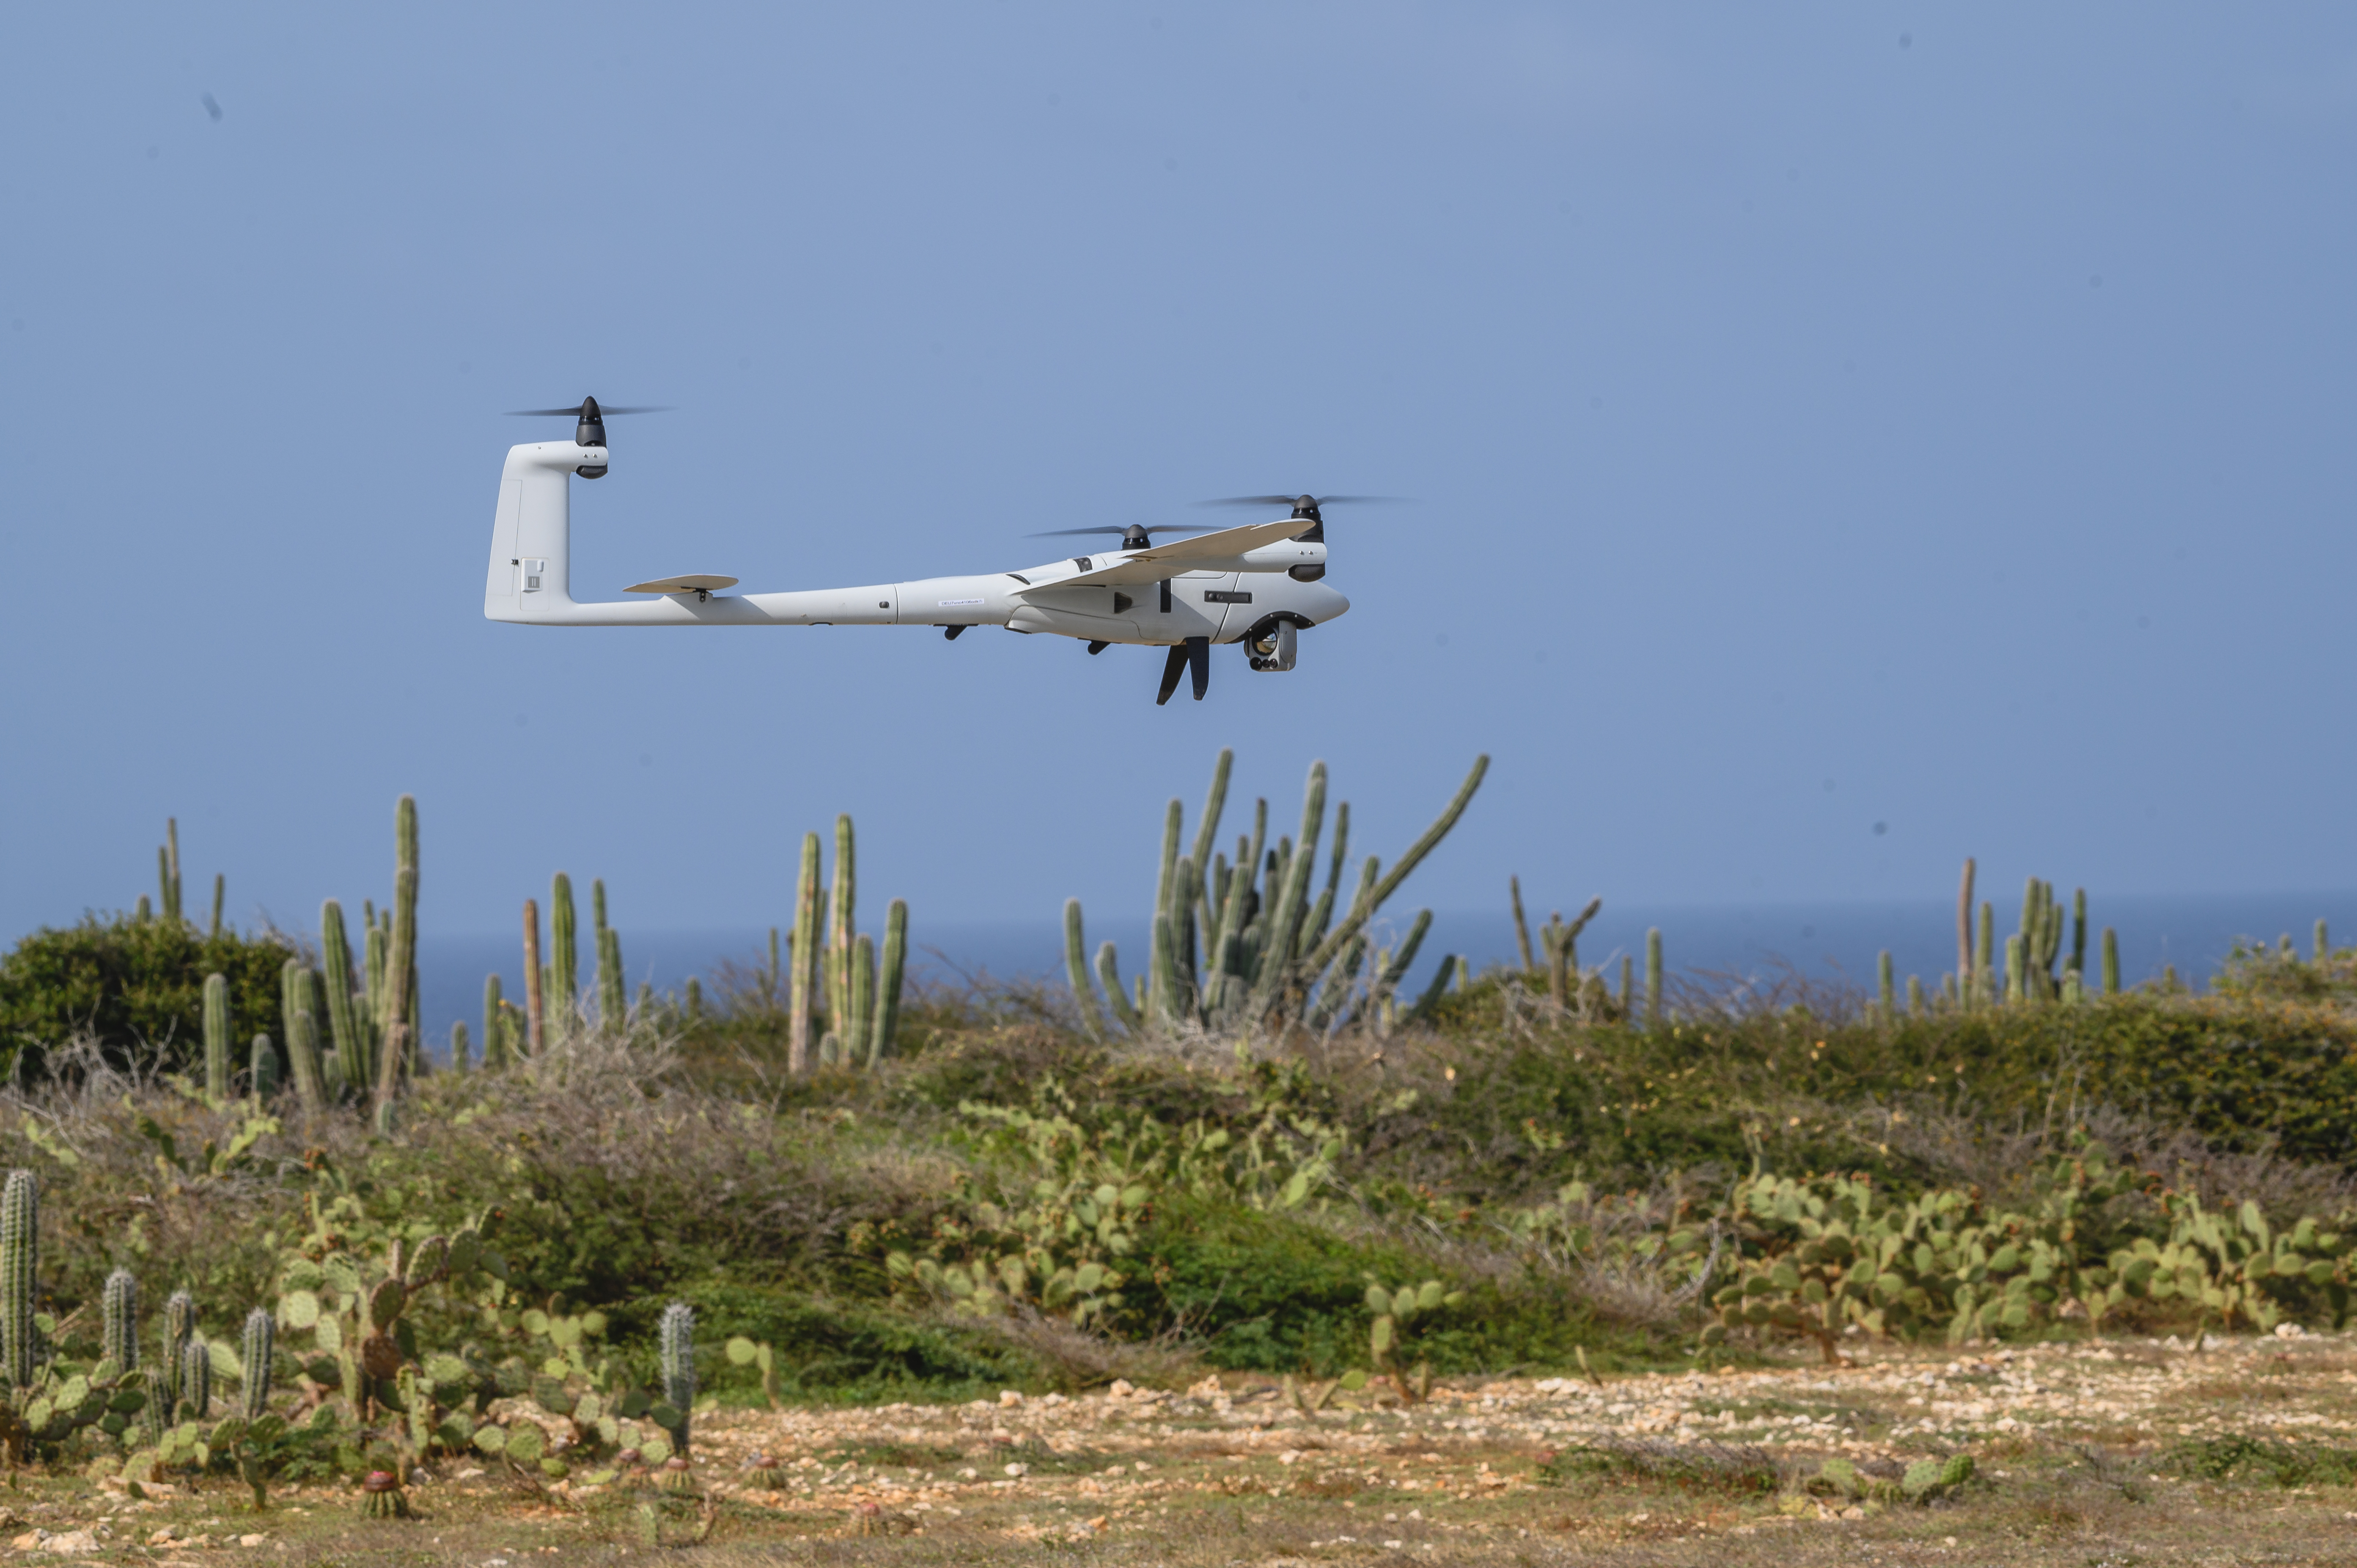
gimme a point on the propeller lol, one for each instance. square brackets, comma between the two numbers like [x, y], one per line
[1305, 506]
[1306, 503]
[589, 428]
[1136, 536]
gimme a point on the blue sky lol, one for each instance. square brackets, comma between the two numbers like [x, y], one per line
[1818, 418]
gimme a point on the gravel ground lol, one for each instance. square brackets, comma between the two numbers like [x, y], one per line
[2072, 1443]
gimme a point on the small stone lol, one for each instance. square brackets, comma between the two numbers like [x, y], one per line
[1008, 1399]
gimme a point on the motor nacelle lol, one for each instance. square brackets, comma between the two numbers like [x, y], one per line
[1273, 643]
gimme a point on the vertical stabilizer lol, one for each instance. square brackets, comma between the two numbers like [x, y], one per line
[529, 573]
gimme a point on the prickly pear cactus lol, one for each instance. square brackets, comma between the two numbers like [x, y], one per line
[1398, 1314]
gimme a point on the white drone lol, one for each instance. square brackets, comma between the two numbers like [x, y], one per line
[1258, 584]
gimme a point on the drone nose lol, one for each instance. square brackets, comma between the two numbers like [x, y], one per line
[1330, 602]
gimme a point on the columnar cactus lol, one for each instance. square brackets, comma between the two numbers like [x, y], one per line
[262, 1069]
[2111, 962]
[397, 1024]
[613, 991]
[535, 982]
[261, 1341]
[676, 1331]
[807, 939]
[459, 1048]
[564, 958]
[218, 1062]
[495, 1045]
[168, 867]
[221, 892]
[20, 1270]
[302, 1033]
[119, 1304]
[180, 1333]
[1117, 996]
[345, 1021]
[1653, 975]
[843, 936]
[1076, 966]
[1887, 975]
[196, 1401]
[1522, 926]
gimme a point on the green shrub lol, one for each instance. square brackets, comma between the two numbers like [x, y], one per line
[136, 986]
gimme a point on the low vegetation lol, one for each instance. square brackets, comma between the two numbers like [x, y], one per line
[810, 1183]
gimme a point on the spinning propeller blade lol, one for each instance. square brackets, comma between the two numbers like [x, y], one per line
[588, 408]
[1306, 502]
[589, 424]
[1109, 528]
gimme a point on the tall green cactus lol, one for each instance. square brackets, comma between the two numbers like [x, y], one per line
[1076, 967]
[676, 1332]
[219, 1066]
[1245, 941]
[345, 1020]
[256, 1352]
[397, 1024]
[1364, 907]
[1162, 967]
[1522, 926]
[1887, 975]
[2323, 941]
[20, 1271]
[613, 990]
[180, 1333]
[262, 1069]
[1116, 997]
[167, 868]
[119, 1317]
[221, 893]
[459, 1058]
[806, 942]
[842, 936]
[302, 1034]
[2111, 962]
[859, 1045]
[196, 1401]
[1653, 998]
[495, 1040]
[564, 960]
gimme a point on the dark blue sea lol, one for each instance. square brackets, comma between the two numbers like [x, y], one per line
[1825, 942]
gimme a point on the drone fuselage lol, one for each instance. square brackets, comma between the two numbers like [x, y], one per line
[1162, 596]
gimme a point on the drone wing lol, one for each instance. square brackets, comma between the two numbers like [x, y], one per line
[1151, 565]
